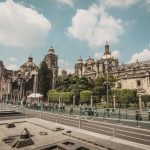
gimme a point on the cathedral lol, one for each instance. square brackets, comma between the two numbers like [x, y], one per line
[129, 76]
[18, 84]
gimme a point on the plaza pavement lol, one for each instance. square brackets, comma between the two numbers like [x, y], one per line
[104, 141]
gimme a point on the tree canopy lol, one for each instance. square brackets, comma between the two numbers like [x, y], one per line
[44, 79]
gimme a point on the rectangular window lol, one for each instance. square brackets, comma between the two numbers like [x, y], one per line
[138, 83]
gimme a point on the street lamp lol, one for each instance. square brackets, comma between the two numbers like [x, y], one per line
[106, 65]
[140, 103]
[107, 82]
[74, 97]
[91, 100]
[114, 101]
[19, 81]
[1, 91]
[59, 100]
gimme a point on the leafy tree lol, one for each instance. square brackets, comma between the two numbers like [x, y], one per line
[53, 96]
[145, 99]
[72, 82]
[100, 86]
[85, 96]
[125, 96]
[45, 79]
[66, 96]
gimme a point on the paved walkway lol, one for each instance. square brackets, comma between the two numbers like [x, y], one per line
[90, 137]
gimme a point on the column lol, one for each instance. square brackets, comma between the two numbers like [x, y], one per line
[35, 83]
[74, 98]
[140, 103]
[114, 101]
[91, 100]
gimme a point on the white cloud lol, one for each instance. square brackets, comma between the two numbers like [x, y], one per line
[13, 59]
[63, 64]
[67, 2]
[147, 1]
[21, 26]
[70, 71]
[116, 54]
[141, 56]
[12, 67]
[98, 55]
[120, 3]
[95, 26]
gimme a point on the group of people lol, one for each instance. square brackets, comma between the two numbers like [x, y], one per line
[83, 108]
[47, 106]
[90, 111]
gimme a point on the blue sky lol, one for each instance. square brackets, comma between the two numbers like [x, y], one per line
[74, 28]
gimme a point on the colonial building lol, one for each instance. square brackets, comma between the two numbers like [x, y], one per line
[129, 76]
[52, 61]
[18, 84]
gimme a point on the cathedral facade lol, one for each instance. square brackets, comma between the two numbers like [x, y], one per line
[21, 83]
[129, 76]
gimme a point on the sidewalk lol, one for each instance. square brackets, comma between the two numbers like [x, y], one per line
[99, 139]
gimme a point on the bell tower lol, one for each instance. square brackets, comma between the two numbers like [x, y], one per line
[52, 61]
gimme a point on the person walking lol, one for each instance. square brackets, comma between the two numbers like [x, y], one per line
[149, 114]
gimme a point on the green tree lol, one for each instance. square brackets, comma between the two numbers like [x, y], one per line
[71, 82]
[53, 96]
[125, 96]
[85, 96]
[44, 79]
[100, 86]
[145, 99]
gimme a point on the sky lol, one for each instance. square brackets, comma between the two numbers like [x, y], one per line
[74, 28]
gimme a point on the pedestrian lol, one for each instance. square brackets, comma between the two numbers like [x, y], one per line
[95, 112]
[137, 115]
[149, 113]
[71, 110]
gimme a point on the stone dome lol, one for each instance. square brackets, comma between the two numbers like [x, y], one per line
[29, 65]
[89, 60]
[109, 56]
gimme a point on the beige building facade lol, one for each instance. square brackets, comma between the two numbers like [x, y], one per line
[129, 76]
[24, 81]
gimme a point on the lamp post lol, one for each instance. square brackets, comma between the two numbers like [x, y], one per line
[106, 65]
[19, 90]
[107, 82]
[91, 100]
[1, 91]
[140, 103]
[35, 84]
[74, 97]
[59, 100]
[114, 101]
